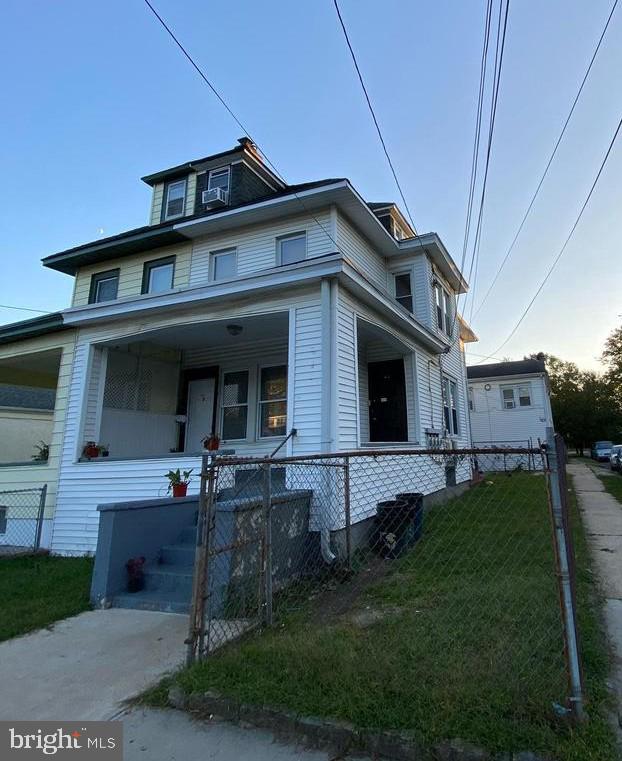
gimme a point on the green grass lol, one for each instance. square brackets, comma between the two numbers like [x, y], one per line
[469, 644]
[37, 590]
[613, 484]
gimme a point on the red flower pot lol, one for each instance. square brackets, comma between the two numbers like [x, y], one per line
[180, 490]
[91, 452]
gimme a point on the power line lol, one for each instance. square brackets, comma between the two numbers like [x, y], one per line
[549, 162]
[230, 111]
[373, 115]
[493, 113]
[24, 309]
[563, 248]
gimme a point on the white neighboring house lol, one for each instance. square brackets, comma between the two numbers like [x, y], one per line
[247, 308]
[509, 403]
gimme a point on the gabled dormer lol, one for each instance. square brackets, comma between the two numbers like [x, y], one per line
[210, 184]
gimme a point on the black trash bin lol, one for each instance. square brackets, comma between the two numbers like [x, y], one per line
[393, 528]
[415, 501]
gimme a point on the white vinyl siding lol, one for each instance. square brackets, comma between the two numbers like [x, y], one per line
[361, 253]
[131, 272]
[257, 245]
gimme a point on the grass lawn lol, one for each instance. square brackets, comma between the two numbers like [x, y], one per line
[464, 638]
[37, 590]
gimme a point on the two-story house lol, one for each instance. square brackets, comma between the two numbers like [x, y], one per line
[247, 308]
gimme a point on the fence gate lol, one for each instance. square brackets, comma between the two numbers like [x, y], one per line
[21, 519]
[468, 550]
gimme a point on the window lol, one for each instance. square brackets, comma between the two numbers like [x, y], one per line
[234, 405]
[450, 406]
[158, 275]
[403, 290]
[104, 286]
[398, 232]
[292, 249]
[218, 178]
[471, 399]
[510, 395]
[273, 401]
[223, 264]
[443, 309]
[175, 199]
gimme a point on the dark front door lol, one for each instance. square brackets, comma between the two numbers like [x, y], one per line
[387, 401]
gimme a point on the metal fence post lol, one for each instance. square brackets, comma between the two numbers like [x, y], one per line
[40, 513]
[346, 496]
[563, 553]
[196, 633]
[267, 569]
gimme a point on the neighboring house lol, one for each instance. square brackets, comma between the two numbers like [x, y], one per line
[509, 403]
[247, 308]
[36, 357]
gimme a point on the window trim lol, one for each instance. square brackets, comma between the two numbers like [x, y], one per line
[97, 277]
[516, 395]
[211, 269]
[442, 295]
[411, 295]
[165, 215]
[154, 264]
[453, 405]
[290, 236]
[246, 404]
[260, 401]
[217, 170]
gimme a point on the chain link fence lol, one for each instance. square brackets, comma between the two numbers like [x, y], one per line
[21, 520]
[450, 552]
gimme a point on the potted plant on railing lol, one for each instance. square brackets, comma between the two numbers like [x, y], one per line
[178, 482]
[211, 442]
[90, 450]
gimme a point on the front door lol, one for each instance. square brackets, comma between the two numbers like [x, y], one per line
[200, 413]
[387, 401]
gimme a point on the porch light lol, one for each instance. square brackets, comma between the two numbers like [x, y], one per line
[234, 330]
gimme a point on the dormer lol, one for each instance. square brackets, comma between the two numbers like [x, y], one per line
[393, 220]
[213, 183]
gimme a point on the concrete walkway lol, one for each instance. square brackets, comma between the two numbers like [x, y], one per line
[602, 518]
[83, 667]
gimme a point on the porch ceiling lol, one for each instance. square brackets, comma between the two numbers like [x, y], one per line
[367, 331]
[213, 333]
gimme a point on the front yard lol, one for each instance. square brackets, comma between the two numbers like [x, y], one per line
[37, 590]
[460, 639]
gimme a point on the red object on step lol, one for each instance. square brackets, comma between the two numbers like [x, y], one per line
[180, 490]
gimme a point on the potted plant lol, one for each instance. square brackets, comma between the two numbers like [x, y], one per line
[135, 574]
[90, 450]
[178, 482]
[211, 442]
[42, 452]
[104, 450]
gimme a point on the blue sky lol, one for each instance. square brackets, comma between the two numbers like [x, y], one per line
[95, 95]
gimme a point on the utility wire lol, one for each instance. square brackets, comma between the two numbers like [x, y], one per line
[24, 309]
[373, 115]
[563, 248]
[493, 113]
[549, 162]
[230, 111]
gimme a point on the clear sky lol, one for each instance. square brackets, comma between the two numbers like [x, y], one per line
[95, 95]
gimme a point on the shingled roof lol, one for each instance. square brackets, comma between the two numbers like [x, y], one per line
[520, 367]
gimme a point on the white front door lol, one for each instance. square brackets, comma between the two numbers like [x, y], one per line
[200, 413]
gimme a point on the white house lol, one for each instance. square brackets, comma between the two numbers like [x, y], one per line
[247, 308]
[509, 403]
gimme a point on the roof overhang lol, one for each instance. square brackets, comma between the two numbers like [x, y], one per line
[37, 326]
[256, 285]
[467, 333]
[340, 194]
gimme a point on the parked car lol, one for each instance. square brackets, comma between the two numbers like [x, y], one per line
[601, 450]
[614, 457]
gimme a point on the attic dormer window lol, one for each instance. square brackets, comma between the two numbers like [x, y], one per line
[219, 178]
[175, 199]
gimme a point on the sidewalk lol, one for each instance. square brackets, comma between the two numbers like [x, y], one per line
[602, 519]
